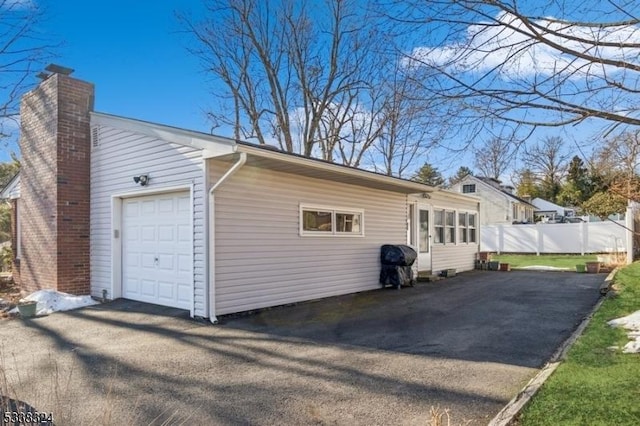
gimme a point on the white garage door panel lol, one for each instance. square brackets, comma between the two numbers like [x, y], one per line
[157, 249]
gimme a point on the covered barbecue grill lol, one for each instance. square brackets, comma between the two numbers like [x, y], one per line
[397, 261]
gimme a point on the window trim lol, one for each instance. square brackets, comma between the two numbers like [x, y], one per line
[456, 227]
[333, 210]
[470, 186]
[444, 226]
[436, 227]
[475, 227]
[453, 214]
[467, 227]
[463, 229]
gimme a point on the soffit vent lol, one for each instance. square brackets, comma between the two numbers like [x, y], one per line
[95, 136]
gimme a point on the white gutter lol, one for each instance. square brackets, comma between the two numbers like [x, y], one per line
[212, 235]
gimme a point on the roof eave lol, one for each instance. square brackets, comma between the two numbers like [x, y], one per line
[10, 186]
[212, 146]
[393, 183]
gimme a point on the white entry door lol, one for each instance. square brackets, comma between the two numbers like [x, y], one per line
[423, 234]
[157, 249]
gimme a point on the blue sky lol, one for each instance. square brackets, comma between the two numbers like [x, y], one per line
[135, 54]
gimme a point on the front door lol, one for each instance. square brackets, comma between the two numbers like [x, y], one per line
[420, 234]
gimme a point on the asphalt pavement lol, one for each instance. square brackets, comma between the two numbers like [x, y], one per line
[466, 344]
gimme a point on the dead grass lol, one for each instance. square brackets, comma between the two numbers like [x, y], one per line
[58, 392]
[10, 295]
[441, 417]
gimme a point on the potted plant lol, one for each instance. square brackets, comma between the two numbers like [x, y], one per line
[27, 308]
[593, 267]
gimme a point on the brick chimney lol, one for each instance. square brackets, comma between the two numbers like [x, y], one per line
[55, 144]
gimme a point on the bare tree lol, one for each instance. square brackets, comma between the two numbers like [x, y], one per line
[298, 75]
[409, 126]
[547, 160]
[618, 162]
[494, 157]
[542, 63]
[22, 52]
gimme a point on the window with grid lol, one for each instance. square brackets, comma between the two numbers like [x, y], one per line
[450, 227]
[469, 188]
[462, 226]
[438, 226]
[473, 234]
[467, 227]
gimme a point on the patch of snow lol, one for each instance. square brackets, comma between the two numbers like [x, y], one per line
[631, 323]
[50, 301]
[544, 268]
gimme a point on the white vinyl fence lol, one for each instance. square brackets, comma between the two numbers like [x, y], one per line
[586, 237]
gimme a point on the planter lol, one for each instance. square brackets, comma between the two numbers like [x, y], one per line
[484, 256]
[448, 273]
[581, 268]
[505, 267]
[593, 267]
[494, 265]
[27, 309]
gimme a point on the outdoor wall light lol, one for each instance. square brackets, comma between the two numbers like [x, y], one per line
[143, 180]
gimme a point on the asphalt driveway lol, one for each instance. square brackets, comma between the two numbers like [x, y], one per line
[467, 344]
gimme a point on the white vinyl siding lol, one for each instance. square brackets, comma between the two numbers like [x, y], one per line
[262, 260]
[119, 155]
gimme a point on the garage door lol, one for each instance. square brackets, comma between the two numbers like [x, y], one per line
[157, 249]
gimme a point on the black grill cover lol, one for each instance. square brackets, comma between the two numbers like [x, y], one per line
[397, 255]
[396, 276]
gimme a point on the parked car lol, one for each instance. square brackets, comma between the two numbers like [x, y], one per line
[572, 220]
[565, 219]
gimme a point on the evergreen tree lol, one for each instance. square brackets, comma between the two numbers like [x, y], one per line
[462, 172]
[428, 175]
[526, 185]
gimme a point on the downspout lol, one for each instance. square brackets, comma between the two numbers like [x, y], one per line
[212, 235]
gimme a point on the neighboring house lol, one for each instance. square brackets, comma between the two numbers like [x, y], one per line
[116, 207]
[550, 210]
[498, 202]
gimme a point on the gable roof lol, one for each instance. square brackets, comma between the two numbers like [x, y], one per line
[542, 204]
[493, 184]
[12, 189]
[226, 149]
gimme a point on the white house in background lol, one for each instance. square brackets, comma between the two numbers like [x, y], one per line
[498, 203]
[551, 210]
[121, 208]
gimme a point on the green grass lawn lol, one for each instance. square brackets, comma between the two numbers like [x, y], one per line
[595, 385]
[555, 260]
